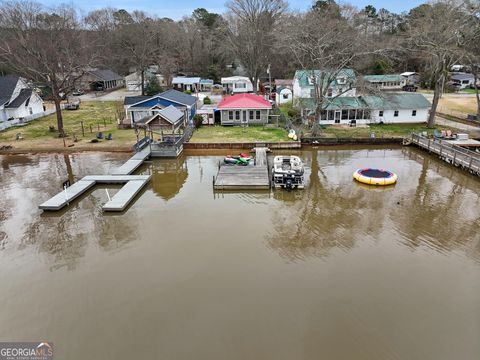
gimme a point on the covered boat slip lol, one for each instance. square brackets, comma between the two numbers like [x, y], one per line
[232, 177]
[133, 185]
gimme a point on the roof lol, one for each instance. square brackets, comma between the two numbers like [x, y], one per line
[185, 80]
[284, 82]
[7, 86]
[244, 101]
[462, 76]
[171, 114]
[384, 102]
[234, 79]
[23, 96]
[384, 78]
[105, 75]
[130, 100]
[206, 81]
[303, 77]
[397, 101]
[178, 97]
[279, 89]
[409, 73]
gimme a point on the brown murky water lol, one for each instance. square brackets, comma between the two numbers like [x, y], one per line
[337, 271]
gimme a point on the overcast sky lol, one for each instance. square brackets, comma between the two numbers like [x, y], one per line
[175, 9]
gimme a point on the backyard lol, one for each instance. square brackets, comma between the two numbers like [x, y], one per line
[97, 116]
[224, 134]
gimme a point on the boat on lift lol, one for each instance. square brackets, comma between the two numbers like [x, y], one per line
[288, 172]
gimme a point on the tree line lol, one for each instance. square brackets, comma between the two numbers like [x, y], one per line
[56, 45]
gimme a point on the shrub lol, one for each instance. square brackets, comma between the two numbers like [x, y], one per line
[153, 86]
[197, 121]
[188, 92]
[207, 101]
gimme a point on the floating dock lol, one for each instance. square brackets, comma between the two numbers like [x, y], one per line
[133, 163]
[133, 185]
[449, 152]
[232, 177]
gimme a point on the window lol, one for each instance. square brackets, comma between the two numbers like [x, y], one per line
[30, 110]
[414, 112]
[380, 113]
[251, 114]
[366, 114]
[230, 115]
[258, 115]
[240, 85]
[285, 96]
[344, 114]
[352, 114]
[329, 93]
[465, 82]
[312, 93]
[395, 113]
[237, 115]
[331, 115]
[324, 114]
[359, 114]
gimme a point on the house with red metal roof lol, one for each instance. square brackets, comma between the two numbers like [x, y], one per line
[244, 109]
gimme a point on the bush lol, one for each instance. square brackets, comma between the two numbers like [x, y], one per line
[153, 86]
[207, 101]
[197, 121]
[188, 92]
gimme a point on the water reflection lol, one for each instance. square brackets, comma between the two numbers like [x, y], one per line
[168, 176]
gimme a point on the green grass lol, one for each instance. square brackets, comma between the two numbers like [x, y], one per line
[385, 130]
[219, 134]
[96, 115]
[469, 91]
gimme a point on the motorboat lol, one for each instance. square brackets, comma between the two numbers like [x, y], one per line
[288, 172]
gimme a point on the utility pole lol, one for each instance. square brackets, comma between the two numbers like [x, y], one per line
[269, 82]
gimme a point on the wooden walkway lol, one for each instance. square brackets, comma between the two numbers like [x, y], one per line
[133, 185]
[455, 155]
[133, 163]
[232, 177]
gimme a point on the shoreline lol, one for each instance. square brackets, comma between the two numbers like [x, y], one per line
[307, 143]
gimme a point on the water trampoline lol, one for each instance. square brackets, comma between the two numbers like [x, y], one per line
[375, 176]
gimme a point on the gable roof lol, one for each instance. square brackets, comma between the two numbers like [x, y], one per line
[171, 114]
[7, 86]
[462, 76]
[105, 75]
[384, 78]
[284, 82]
[178, 97]
[397, 101]
[23, 96]
[130, 100]
[303, 77]
[244, 101]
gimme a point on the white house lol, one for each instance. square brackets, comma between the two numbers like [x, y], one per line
[462, 80]
[388, 109]
[283, 95]
[17, 99]
[343, 83]
[386, 82]
[133, 81]
[411, 77]
[236, 84]
[184, 83]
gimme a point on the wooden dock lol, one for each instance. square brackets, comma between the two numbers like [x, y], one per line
[233, 177]
[133, 185]
[133, 163]
[455, 155]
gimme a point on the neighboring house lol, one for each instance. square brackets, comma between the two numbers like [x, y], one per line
[244, 109]
[388, 109]
[100, 80]
[411, 77]
[236, 85]
[208, 114]
[462, 80]
[386, 82]
[169, 119]
[283, 95]
[17, 99]
[343, 84]
[133, 81]
[287, 83]
[139, 107]
[206, 84]
[184, 83]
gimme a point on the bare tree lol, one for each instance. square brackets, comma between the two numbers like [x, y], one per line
[251, 27]
[440, 34]
[49, 47]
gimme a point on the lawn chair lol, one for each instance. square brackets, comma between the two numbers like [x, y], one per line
[100, 135]
[108, 137]
[437, 134]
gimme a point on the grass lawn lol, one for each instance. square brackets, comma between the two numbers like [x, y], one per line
[97, 115]
[218, 134]
[385, 130]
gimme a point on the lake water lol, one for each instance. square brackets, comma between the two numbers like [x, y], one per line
[336, 271]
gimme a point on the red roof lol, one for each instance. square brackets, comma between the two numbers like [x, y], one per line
[244, 101]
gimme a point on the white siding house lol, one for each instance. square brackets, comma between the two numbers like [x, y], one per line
[343, 83]
[236, 84]
[17, 99]
[462, 80]
[386, 82]
[283, 95]
[133, 81]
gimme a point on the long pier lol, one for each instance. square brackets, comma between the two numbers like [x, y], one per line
[233, 177]
[455, 155]
[133, 163]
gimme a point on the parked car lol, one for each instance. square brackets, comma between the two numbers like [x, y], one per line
[410, 88]
[78, 92]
